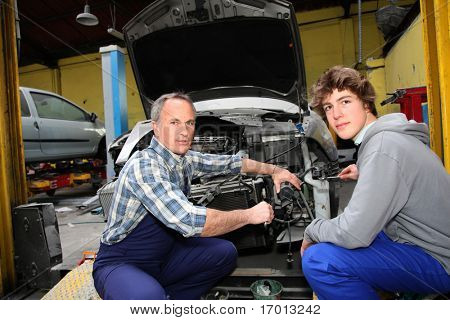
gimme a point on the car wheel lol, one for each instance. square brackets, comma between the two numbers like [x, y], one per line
[96, 185]
[101, 152]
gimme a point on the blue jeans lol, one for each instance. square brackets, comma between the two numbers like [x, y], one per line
[336, 273]
[155, 263]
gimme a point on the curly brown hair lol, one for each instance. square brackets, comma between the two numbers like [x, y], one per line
[342, 78]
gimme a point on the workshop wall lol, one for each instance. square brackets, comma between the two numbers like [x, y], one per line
[403, 66]
[328, 39]
[37, 76]
[405, 62]
[376, 74]
[81, 82]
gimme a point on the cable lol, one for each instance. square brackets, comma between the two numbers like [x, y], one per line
[308, 209]
[74, 223]
[289, 258]
[306, 171]
[282, 153]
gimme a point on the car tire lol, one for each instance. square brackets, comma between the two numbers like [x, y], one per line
[101, 152]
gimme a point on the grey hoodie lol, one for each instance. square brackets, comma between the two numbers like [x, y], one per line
[402, 189]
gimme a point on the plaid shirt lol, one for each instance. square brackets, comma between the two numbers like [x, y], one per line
[158, 182]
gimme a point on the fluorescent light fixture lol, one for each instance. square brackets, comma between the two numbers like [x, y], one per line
[115, 33]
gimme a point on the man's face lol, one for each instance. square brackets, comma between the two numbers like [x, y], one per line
[346, 113]
[175, 128]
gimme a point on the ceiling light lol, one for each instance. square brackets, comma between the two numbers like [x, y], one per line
[87, 18]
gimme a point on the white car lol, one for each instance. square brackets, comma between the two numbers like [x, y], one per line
[55, 128]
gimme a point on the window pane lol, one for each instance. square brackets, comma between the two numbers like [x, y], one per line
[55, 108]
[72, 113]
[25, 110]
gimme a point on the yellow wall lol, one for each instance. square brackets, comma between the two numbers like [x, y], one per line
[404, 66]
[36, 76]
[335, 41]
[377, 77]
[330, 40]
[322, 47]
[81, 82]
[405, 63]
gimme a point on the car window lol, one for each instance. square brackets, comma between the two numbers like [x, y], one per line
[51, 107]
[24, 109]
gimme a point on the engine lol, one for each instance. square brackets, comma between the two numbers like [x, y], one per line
[272, 142]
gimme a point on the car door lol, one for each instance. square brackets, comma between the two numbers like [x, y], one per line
[64, 128]
[30, 131]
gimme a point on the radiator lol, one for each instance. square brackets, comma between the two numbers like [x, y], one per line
[235, 195]
[105, 196]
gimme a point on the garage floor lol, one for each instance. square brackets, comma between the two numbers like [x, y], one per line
[80, 229]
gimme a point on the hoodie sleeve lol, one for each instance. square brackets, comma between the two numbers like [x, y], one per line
[379, 195]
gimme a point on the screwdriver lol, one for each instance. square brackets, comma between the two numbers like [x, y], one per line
[331, 178]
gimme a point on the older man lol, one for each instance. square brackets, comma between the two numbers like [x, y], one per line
[158, 245]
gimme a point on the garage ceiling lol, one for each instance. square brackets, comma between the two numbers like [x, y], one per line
[49, 32]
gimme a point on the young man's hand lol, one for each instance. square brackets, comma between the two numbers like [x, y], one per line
[349, 173]
[305, 245]
[261, 213]
[281, 175]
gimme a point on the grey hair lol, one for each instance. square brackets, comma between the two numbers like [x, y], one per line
[159, 103]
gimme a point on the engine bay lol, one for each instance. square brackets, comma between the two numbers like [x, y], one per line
[272, 141]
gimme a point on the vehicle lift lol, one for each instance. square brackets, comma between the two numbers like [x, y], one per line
[49, 176]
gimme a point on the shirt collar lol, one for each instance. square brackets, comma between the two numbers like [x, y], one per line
[171, 158]
[360, 136]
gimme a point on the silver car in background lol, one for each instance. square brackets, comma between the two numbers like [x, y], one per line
[55, 128]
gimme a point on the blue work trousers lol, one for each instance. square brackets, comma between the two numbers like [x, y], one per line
[154, 262]
[336, 273]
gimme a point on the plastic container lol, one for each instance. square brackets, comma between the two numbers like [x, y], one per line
[266, 289]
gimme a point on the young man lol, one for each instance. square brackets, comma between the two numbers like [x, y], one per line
[394, 235]
[158, 245]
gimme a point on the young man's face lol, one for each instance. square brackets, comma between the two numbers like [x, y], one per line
[346, 113]
[176, 125]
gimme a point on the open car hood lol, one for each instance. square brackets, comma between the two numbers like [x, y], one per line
[216, 49]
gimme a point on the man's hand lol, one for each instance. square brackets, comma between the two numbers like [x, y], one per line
[221, 222]
[305, 245]
[281, 175]
[261, 213]
[349, 173]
